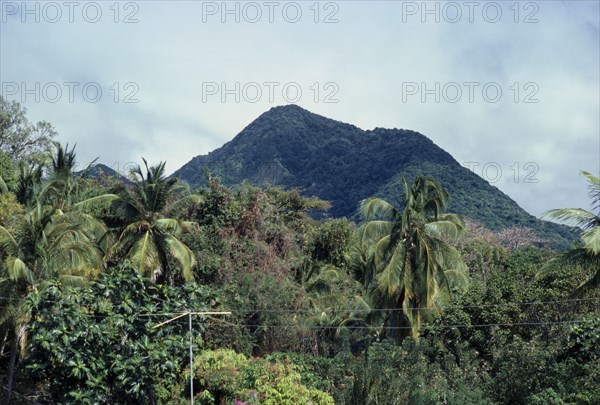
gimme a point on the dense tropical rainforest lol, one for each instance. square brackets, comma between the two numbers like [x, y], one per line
[106, 283]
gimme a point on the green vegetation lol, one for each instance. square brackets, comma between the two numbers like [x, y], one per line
[587, 254]
[97, 343]
[340, 163]
[143, 230]
[407, 304]
[19, 138]
[411, 268]
[224, 376]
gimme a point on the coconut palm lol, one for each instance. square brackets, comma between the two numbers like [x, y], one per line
[44, 244]
[63, 188]
[331, 308]
[587, 255]
[411, 265]
[142, 228]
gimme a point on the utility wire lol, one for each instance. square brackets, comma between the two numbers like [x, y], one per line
[507, 324]
[280, 310]
[20, 395]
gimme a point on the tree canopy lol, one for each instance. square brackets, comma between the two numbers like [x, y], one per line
[119, 291]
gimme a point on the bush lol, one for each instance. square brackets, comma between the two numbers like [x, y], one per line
[224, 376]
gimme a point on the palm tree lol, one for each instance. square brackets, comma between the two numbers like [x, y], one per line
[331, 308]
[411, 264]
[29, 179]
[587, 255]
[63, 188]
[44, 244]
[144, 232]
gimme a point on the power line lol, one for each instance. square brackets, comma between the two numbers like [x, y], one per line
[20, 395]
[507, 304]
[409, 327]
[308, 310]
[298, 326]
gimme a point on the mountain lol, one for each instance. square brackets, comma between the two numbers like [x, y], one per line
[291, 147]
[100, 170]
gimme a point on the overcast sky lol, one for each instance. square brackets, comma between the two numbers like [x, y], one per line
[510, 89]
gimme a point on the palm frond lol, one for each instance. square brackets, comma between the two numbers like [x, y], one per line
[447, 229]
[94, 201]
[182, 254]
[87, 224]
[375, 230]
[8, 242]
[591, 240]
[590, 284]
[186, 200]
[74, 280]
[376, 208]
[17, 270]
[168, 225]
[381, 251]
[3, 186]
[175, 226]
[28, 179]
[573, 217]
[391, 279]
[144, 256]
[594, 190]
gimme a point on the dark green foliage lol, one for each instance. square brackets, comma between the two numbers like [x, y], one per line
[28, 182]
[248, 243]
[543, 376]
[585, 254]
[98, 344]
[340, 163]
[413, 373]
[514, 318]
[300, 289]
[584, 339]
[330, 241]
[142, 226]
[511, 295]
[8, 173]
[412, 263]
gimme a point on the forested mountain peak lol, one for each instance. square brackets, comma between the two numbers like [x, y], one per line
[291, 147]
[285, 123]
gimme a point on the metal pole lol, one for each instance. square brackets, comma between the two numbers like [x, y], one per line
[191, 362]
[189, 314]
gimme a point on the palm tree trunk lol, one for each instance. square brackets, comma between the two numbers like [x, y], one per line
[5, 342]
[397, 316]
[315, 344]
[149, 387]
[392, 330]
[13, 362]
